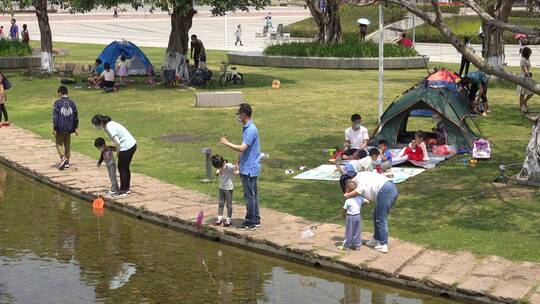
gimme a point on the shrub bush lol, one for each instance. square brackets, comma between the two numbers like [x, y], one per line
[10, 48]
[349, 49]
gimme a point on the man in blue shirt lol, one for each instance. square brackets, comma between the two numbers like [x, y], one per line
[250, 167]
[14, 30]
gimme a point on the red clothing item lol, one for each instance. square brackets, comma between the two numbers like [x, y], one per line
[416, 154]
[406, 42]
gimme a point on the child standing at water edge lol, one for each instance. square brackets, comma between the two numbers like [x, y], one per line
[353, 223]
[107, 155]
[226, 172]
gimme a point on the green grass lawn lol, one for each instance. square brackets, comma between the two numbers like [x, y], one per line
[468, 26]
[451, 207]
[349, 14]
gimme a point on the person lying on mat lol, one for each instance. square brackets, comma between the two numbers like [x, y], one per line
[356, 139]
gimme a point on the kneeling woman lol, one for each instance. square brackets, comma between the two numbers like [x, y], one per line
[125, 144]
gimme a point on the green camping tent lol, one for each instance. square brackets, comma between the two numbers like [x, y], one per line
[393, 125]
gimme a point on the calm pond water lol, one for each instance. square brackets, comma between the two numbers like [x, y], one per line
[54, 250]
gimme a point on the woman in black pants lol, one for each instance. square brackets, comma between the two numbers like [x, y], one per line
[126, 146]
[464, 62]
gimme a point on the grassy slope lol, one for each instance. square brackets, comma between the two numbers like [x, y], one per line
[307, 114]
[468, 26]
[349, 15]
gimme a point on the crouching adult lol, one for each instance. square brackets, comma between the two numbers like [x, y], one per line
[376, 188]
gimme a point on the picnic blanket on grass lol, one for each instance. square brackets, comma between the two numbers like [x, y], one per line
[328, 173]
[431, 163]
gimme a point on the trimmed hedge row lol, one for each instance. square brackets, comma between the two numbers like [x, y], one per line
[352, 48]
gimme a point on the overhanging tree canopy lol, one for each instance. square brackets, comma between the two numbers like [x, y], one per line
[530, 172]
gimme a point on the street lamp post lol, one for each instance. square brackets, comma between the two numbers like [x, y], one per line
[381, 59]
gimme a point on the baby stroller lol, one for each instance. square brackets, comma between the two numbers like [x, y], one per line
[201, 77]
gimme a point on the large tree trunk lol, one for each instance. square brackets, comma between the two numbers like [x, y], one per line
[494, 41]
[531, 166]
[47, 62]
[177, 49]
[333, 22]
[319, 18]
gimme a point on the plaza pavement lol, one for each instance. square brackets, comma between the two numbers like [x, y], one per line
[153, 30]
[490, 279]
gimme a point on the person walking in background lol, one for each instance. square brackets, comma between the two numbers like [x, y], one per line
[525, 64]
[115, 11]
[2, 34]
[268, 20]
[14, 30]
[250, 167]
[363, 32]
[3, 99]
[464, 62]
[126, 145]
[482, 40]
[25, 36]
[238, 36]
[65, 122]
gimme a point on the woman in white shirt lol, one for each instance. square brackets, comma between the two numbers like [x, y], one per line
[108, 77]
[126, 145]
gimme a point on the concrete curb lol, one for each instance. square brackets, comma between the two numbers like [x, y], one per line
[25, 62]
[259, 59]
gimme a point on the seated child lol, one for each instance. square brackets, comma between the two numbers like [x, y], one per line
[226, 172]
[107, 155]
[416, 150]
[438, 137]
[351, 168]
[353, 224]
[386, 156]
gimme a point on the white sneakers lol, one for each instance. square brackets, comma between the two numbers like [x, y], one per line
[377, 246]
[382, 248]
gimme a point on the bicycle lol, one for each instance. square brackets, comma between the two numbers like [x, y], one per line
[230, 75]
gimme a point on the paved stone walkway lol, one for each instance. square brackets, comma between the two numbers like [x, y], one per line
[459, 274]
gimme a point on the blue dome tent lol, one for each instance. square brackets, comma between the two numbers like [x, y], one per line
[138, 63]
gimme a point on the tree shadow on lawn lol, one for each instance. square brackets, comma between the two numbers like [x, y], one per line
[253, 80]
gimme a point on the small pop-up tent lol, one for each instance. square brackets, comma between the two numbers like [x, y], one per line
[424, 98]
[138, 63]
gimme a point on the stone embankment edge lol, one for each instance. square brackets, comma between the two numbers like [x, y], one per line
[391, 63]
[24, 62]
[266, 247]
